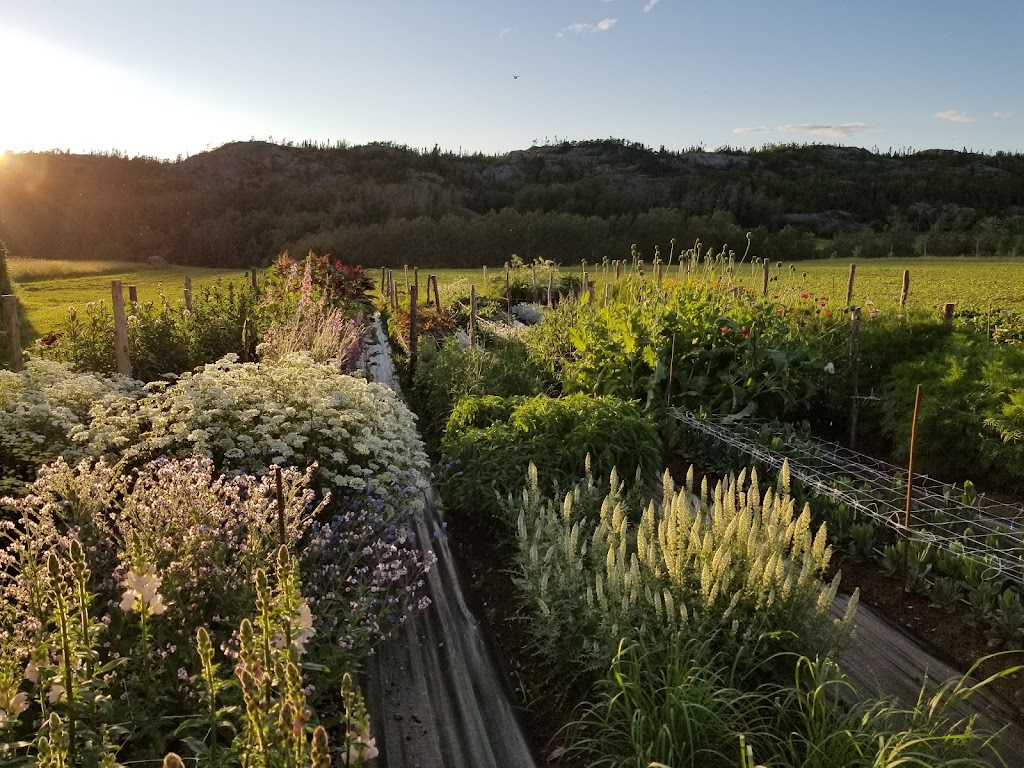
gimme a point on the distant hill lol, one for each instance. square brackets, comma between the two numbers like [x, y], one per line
[246, 201]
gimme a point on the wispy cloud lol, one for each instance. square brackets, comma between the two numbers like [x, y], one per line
[758, 129]
[1002, 115]
[837, 131]
[954, 117]
[650, 4]
[580, 27]
[506, 32]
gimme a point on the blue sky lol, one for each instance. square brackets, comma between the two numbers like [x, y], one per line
[162, 78]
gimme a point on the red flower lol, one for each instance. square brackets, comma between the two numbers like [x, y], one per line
[724, 329]
[744, 331]
[805, 295]
[780, 311]
[827, 313]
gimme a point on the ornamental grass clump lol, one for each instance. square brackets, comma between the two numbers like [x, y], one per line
[731, 558]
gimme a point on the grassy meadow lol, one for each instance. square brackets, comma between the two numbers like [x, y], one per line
[966, 282]
[46, 288]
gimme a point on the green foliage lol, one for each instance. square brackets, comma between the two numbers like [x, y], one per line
[971, 400]
[444, 375]
[732, 356]
[490, 443]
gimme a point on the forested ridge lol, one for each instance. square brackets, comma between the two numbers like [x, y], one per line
[381, 203]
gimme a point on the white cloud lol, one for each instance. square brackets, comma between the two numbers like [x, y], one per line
[836, 131]
[758, 129]
[581, 27]
[506, 32]
[1002, 115]
[954, 117]
[650, 4]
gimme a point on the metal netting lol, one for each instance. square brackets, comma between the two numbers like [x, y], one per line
[949, 517]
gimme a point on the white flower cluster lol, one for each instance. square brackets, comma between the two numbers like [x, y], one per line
[44, 407]
[141, 593]
[249, 417]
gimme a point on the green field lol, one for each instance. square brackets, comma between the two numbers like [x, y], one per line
[966, 282]
[46, 288]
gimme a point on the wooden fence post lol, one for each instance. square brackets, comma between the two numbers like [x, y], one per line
[905, 289]
[253, 276]
[855, 390]
[534, 283]
[472, 315]
[508, 291]
[551, 288]
[766, 266]
[10, 302]
[413, 345]
[618, 269]
[188, 292]
[485, 279]
[406, 268]
[585, 285]
[133, 294]
[947, 311]
[437, 294]
[416, 281]
[124, 363]
[849, 286]
[910, 486]
[384, 287]
[607, 293]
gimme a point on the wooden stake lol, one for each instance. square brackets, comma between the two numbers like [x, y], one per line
[413, 345]
[849, 287]
[188, 292]
[855, 393]
[585, 284]
[406, 268]
[905, 289]
[764, 282]
[534, 283]
[416, 281]
[910, 485]
[671, 366]
[551, 288]
[437, 295]
[133, 294]
[472, 315]
[255, 284]
[17, 362]
[607, 293]
[947, 311]
[508, 292]
[429, 301]
[124, 363]
[282, 530]
[384, 288]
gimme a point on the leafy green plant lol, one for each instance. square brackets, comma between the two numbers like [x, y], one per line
[490, 443]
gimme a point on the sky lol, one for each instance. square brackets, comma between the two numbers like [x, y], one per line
[164, 79]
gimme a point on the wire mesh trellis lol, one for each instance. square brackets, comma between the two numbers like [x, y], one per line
[948, 517]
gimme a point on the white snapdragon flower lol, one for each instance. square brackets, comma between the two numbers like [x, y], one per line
[141, 591]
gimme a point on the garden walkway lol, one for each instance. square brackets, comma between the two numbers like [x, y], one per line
[435, 695]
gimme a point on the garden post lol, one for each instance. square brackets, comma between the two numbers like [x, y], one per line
[671, 366]
[133, 294]
[534, 283]
[551, 288]
[188, 292]
[485, 279]
[585, 285]
[947, 311]
[618, 269]
[472, 315]
[640, 267]
[766, 266]
[607, 293]
[416, 281]
[428, 301]
[282, 530]
[437, 295]
[412, 329]
[406, 268]
[854, 393]
[849, 287]
[124, 363]
[905, 289]
[910, 485]
[10, 302]
[253, 276]
[657, 272]
[383, 281]
[508, 292]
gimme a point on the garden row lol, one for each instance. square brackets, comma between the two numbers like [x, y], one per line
[198, 565]
[695, 615]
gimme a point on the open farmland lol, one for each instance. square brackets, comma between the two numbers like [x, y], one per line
[46, 289]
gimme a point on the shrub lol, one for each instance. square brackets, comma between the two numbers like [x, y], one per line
[491, 442]
[249, 417]
[446, 374]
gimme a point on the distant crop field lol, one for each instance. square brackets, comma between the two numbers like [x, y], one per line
[46, 289]
[966, 282]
